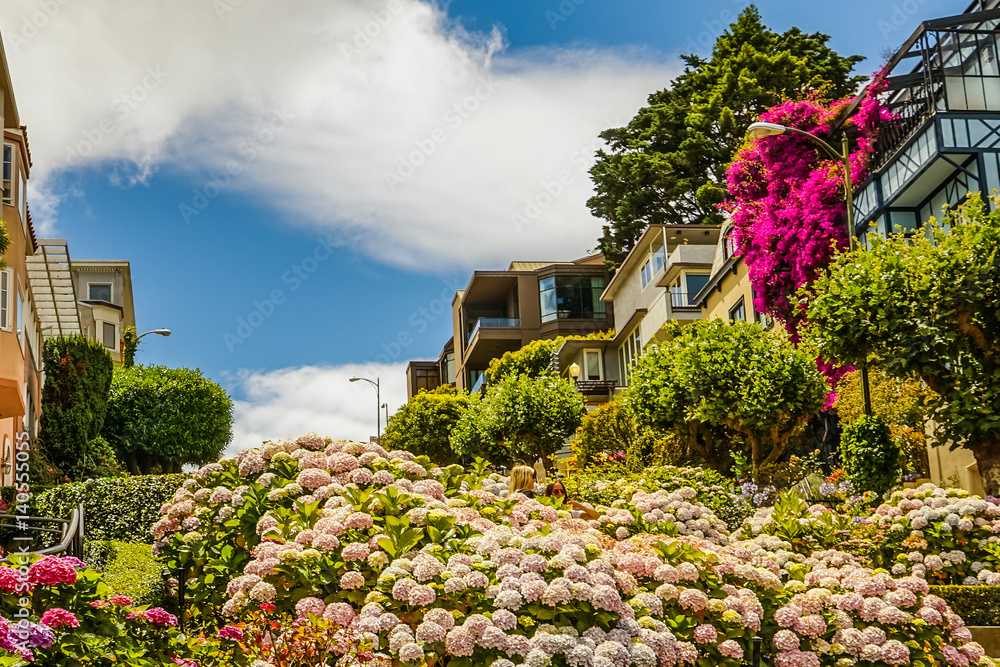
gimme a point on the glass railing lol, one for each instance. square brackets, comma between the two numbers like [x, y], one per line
[681, 299]
[478, 384]
[494, 323]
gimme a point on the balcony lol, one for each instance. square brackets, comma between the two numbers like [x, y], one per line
[494, 323]
[683, 302]
[944, 139]
[490, 338]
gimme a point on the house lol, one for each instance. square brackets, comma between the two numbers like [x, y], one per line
[944, 91]
[728, 293]
[657, 282]
[20, 323]
[501, 311]
[103, 291]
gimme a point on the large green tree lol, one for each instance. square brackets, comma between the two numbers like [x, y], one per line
[424, 424]
[74, 401]
[668, 164]
[708, 375]
[526, 417]
[166, 417]
[926, 304]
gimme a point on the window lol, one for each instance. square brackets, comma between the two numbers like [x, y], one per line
[647, 274]
[448, 368]
[592, 365]
[6, 282]
[110, 339]
[571, 297]
[8, 174]
[99, 292]
[659, 257]
[728, 244]
[628, 354]
[426, 378]
[23, 200]
[695, 283]
[738, 312]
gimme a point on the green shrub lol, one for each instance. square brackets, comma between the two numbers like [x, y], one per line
[74, 401]
[977, 605]
[870, 456]
[119, 508]
[129, 569]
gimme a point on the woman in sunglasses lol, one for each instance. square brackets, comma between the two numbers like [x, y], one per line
[557, 490]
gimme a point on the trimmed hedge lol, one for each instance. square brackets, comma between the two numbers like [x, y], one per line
[115, 508]
[977, 605]
[128, 569]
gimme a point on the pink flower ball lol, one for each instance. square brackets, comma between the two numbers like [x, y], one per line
[359, 520]
[731, 649]
[355, 551]
[341, 613]
[309, 605]
[421, 595]
[50, 571]
[705, 633]
[314, 478]
[57, 618]
[352, 580]
[230, 632]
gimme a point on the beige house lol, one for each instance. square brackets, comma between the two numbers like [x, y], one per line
[658, 282]
[103, 291]
[728, 294]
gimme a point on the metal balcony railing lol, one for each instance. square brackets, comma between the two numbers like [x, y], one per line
[681, 300]
[494, 323]
[958, 69]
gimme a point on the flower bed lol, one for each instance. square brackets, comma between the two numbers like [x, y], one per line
[431, 564]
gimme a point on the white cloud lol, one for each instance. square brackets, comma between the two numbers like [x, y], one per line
[289, 402]
[143, 86]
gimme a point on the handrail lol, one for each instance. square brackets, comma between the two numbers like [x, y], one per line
[71, 534]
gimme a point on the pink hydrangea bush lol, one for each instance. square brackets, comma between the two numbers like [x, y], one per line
[943, 535]
[430, 564]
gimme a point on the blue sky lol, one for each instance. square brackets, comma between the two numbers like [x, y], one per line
[299, 201]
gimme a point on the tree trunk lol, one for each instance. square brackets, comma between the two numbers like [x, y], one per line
[132, 464]
[988, 459]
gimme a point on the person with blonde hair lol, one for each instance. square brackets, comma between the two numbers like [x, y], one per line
[522, 480]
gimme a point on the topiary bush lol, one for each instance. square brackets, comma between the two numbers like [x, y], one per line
[870, 456]
[129, 569]
[119, 508]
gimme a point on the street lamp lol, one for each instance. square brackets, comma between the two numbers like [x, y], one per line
[574, 372]
[761, 130]
[161, 332]
[378, 402]
[385, 406]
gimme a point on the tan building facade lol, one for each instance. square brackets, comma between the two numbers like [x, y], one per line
[728, 294]
[103, 290]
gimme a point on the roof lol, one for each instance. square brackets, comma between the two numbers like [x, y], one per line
[52, 287]
[10, 115]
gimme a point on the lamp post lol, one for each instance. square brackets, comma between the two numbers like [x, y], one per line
[378, 403]
[160, 332]
[385, 406]
[761, 130]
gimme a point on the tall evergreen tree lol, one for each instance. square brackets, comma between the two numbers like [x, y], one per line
[668, 164]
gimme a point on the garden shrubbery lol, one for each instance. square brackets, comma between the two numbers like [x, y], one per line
[129, 569]
[115, 508]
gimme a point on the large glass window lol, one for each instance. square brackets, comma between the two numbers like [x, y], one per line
[695, 283]
[571, 297]
[628, 354]
[738, 312]
[647, 273]
[592, 364]
[5, 307]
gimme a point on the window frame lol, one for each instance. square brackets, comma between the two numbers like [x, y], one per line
[9, 175]
[114, 334]
[600, 364]
[111, 291]
[740, 305]
[6, 303]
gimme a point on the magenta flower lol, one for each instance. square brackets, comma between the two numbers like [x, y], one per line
[57, 617]
[230, 632]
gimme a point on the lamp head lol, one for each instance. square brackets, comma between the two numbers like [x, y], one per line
[162, 332]
[354, 379]
[574, 371]
[761, 130]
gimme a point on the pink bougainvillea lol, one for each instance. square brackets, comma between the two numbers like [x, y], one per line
[787, 197]
[787, 201]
